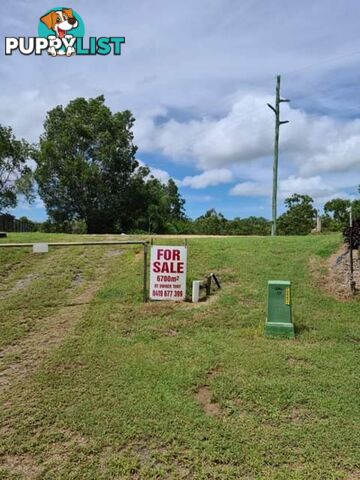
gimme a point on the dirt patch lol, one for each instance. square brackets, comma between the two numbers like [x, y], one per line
[57, 452]
[78, 278]
[171, 332]
[203, 302]
[205, 398]
[24, 465]
[354, 476]
[298, 415]
[20, 285]
[161, 309]
[166, 332]
[114, 253]
[139, 255]
[297, 362]
[333, 275]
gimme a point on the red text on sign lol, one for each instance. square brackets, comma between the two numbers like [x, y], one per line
[168, 267]
[168, 254]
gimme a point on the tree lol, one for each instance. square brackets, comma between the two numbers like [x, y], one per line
[176, 203]
[249, 226]
[299, 217]
[212, 223]
[158, 207]
[15, 174]
[355, 204]
[336, 209]
[87, 172]
[86, 166]
[30, 225]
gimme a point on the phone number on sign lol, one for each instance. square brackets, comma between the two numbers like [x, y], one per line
[167, 293]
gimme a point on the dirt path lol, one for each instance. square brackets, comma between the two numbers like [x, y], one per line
[334, 274]
[23, 358]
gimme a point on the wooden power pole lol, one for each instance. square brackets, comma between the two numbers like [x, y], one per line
[278, 123]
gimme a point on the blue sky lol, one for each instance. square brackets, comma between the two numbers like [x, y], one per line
[197, 75]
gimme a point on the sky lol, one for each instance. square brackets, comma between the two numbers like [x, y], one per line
[198, 75]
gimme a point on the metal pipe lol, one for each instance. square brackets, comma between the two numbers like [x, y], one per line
[72, 244]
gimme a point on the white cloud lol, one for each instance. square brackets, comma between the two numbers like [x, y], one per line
[161, 175]
[313, 186]
[316, 152]
[200, 198]
[250, 189]
[311, 143]
[244, 133]
[209, 178]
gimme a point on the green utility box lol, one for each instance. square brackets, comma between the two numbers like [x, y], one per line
[279, 315]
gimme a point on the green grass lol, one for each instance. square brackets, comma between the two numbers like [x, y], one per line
[118, 398]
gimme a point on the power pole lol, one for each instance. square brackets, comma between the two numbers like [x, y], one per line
[278, 123]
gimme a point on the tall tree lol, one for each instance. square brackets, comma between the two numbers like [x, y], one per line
[176, 203]
[86, 166]
[15, 174]
[299, 217]
[337, 210]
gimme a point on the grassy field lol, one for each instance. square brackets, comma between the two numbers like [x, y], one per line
[94, 384]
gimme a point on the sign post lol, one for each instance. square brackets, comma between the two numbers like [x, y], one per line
[168, 273]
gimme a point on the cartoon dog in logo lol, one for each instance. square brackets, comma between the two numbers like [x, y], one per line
[61, 22]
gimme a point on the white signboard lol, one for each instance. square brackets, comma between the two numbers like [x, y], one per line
[168, 273]
[40, 248]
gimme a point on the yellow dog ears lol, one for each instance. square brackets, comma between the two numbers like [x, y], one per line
[49, 19]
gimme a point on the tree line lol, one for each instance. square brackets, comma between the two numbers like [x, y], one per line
[86, 173]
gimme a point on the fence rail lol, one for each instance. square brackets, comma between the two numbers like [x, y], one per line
[8, 223]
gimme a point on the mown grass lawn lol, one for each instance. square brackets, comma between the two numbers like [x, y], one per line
[170, 391]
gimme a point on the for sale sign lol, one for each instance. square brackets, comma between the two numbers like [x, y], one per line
[168, 273]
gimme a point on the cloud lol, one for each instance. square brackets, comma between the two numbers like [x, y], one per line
[244, 133]
[250, 189]
[161, 175]
[200, 198]
[313, 186]
[209, 178]
[311, 143]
